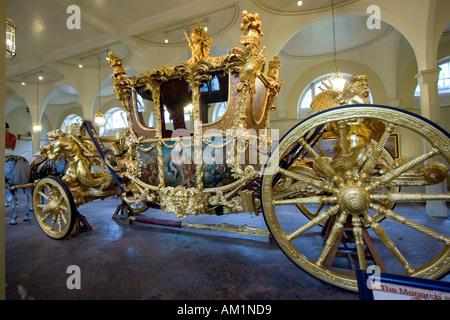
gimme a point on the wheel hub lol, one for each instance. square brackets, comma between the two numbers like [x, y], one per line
[353, 199]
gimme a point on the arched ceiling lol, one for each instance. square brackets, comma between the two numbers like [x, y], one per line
[43, 37]
[316, 38]
[290, 7]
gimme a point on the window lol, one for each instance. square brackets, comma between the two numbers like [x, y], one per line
[140, 103]
[73, 118]
[444, 78]
[219, 110]
[212, 85]
[168, 120]
[116, 118]
[314, 88]
[443, 81]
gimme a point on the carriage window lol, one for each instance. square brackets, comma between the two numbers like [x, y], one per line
[140, 103]
[218, 111]
[145, 108]
[116, 118]
[214, 97]
[212, 85]
[176, 103]
[175, 110]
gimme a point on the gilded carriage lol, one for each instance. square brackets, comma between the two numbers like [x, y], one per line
[210, 150]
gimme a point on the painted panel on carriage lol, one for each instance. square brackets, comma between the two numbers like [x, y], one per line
[149, 166]
[179, 167]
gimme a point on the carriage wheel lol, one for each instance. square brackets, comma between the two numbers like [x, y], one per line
[354, 191]
[54, 207]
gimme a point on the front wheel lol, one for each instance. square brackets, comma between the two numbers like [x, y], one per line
[54, 207]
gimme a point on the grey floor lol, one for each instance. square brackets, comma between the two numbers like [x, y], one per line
[145, 262]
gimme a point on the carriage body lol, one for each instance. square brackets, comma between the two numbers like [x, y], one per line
[209, 150]
[210, 136]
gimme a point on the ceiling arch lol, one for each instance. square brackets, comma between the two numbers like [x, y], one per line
[350, 30]
[217, 21]
[290, 7]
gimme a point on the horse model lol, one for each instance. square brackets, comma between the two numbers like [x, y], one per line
[17, 173]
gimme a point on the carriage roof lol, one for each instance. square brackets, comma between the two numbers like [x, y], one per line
[248, 92]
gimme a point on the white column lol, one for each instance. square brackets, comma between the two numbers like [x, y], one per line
[36, 142]
[429, 98]
[429, 103]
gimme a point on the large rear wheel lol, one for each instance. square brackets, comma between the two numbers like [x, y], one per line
[347, 196]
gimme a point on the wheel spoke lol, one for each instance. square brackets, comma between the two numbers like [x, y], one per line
[321, 218]
[46, 217]
[391, 175]
[324, 165]
[64, 217]
[379, 231]
[52, 225]
[371, 162]
[45, 196]
[336, 232]
[414, 225]
[51, 190]
[409, 197]
[316, 183]
[359, 242]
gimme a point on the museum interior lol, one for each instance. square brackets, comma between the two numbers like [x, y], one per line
[58, 72]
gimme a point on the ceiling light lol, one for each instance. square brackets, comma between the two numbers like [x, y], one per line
[99, 119]
[23, 83]
[40, 77]
[37, 127]
[299, 3]
[206, 29]
[166, 40]
[80, 66]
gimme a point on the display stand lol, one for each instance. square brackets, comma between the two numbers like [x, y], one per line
[81, 224]
[123, 211]
[342, 249]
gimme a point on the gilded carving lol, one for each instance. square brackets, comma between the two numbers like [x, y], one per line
[182, 201]
[81, 157]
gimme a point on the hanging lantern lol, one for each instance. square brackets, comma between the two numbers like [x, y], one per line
[37, 127]
[99, 119]
[10, 38]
